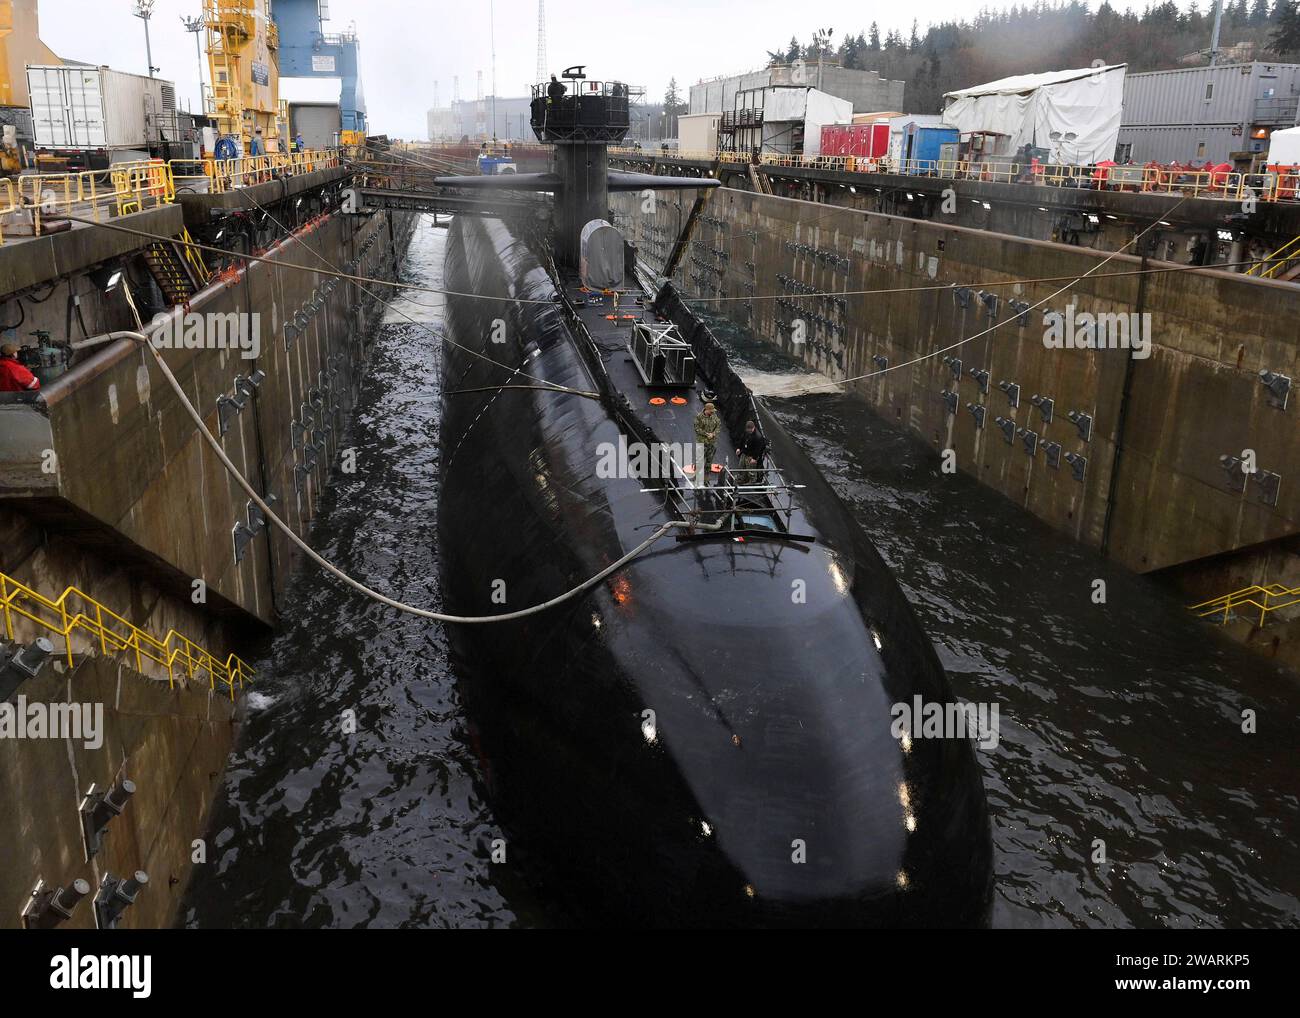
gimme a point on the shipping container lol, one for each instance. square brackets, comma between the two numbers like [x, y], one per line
[77, 108]
[865, 141]
[925, 143]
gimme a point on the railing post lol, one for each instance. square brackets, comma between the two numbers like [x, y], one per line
[67, 630]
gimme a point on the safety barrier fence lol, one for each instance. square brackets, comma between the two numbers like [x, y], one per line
[133, 186]
[73, 610]
[1255, 600]
[1275, 184]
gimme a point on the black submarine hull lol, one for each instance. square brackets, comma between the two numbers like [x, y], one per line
[705, 738]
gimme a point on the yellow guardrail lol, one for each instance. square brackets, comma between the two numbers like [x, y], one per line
[1260, 599]
[1268, 186]
[1277, 261]
[129, 187]
[73, 610]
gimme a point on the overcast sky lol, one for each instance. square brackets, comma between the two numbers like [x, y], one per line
[409, 46]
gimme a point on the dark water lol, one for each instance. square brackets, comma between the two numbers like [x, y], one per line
[1120, 723]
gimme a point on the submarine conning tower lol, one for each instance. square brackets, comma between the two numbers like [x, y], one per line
[581, 118]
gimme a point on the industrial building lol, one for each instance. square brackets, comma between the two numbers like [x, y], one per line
[784, 119]
[474, 118]
[866, 91]
[1207, 114]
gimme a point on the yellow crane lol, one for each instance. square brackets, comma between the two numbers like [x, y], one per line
[243, 59]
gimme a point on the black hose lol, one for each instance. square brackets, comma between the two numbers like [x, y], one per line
[22, 315]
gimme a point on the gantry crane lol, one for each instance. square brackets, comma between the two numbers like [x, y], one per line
[243, 58]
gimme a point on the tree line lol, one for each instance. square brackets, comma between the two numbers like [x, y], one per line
[1045, 35]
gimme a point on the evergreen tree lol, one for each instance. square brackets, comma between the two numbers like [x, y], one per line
[1286, 36]
[875, 36]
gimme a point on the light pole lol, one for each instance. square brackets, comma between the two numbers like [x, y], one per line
[144, 11]
[196, 25]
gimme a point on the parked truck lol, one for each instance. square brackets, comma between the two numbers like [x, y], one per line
[91, 117]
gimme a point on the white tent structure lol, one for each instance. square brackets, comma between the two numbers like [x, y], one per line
[1075, 115]
[1284, 147]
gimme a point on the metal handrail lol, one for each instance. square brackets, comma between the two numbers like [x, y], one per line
[1269, 267]
[129, 187]
[174, 652]
[1254, 596]
[1276, 184]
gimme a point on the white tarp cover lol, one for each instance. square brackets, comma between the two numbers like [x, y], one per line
[1075, 115]
[823, 109]
[1284, 147]
[601, 256]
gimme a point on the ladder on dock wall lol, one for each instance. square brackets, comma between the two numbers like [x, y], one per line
[759, 179]
[170, 272]
[176, 655]
[1283, 264]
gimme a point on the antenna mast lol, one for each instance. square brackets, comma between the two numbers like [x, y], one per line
[492, 29]
[541, 41]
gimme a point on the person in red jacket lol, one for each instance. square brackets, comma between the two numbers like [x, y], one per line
[14, 377]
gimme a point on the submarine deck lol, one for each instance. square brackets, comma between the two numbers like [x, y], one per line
[669, 411]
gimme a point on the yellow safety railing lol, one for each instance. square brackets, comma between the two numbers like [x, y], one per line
[1259, 599]
[73, 610]
[9, 202]
[130, 187]
[1270, 186]
[1277, 261]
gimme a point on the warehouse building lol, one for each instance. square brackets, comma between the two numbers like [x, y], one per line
[1223, 113]
[867, 91]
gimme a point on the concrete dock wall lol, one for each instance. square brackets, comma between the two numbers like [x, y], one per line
[133, 472]
[105, 485]
[1153, 493]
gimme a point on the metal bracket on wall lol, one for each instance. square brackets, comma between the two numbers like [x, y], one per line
[98, 809]
[1052, 453]
[256, 518]
[881, 361]
[1008, 427]
[1020, 309]
[1046, 405]
[954, 365]
[1081, 421]
[1012, 390]
[1078, 465]
[1270, 484]
[242, 536]
[1236, 476]
[962, 294]
[978, 411]
[227, 410]
[950, 400]
[982, 377]
[1030, 439]
[1279, 388]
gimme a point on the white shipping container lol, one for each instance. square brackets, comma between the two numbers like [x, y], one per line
[76, 107]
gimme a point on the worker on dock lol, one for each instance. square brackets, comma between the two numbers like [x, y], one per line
[708, 425]
[753, 447]
[14, 376]
[555, 91]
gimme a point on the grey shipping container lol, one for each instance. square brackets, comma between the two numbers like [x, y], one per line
[76, 107]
